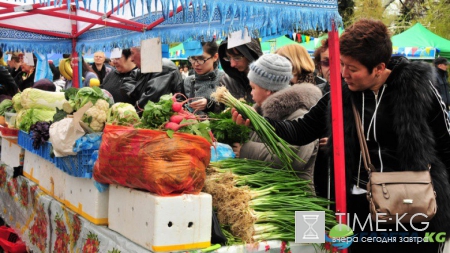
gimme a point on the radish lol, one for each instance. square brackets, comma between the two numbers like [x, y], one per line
[175, 127]
[178, 106]
[172, 126]
[176, 118]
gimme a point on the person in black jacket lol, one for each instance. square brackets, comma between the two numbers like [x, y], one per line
[405, 124]
[442, 84]
[144, 87]
[8, 87]
[116, 79]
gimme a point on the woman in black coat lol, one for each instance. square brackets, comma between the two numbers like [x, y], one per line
[404, 121]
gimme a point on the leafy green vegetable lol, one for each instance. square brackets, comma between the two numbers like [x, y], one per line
[156, 115]
[59, 115]
[197, 128]
[41, 99]
[31, 116]
[17, 104]
[6, 106]
[70, 93]
[86, 94]
[226, 131]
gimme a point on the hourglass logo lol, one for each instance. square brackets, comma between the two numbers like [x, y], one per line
[310, 227]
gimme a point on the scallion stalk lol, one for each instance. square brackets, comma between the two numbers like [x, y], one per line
[276, 145]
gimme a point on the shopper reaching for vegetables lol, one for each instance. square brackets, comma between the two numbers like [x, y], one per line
[401, 135]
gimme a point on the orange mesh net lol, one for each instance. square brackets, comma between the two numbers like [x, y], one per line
[150, 160]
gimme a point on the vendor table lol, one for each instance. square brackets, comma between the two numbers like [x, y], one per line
[47, 225]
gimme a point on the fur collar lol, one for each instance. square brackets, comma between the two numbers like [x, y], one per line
[285, 102]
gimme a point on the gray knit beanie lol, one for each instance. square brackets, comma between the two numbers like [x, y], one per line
[271, 72]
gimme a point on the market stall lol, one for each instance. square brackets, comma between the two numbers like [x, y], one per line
[198, 19]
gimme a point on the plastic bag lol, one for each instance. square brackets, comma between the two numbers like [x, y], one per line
[221, 151]
[88, 141]
[65, 132]
[150, 160]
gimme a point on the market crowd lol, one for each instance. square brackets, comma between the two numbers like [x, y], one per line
[403, 106]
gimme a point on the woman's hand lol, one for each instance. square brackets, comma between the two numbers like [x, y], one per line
[238, 119]
[199, 104]
[323, 143]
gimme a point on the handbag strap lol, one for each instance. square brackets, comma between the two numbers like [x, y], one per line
[362, 141]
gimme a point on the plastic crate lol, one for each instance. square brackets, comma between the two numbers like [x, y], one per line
[43, 151]
[77, 165]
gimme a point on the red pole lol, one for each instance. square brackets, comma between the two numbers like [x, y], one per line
[74, 63]
[337, 119]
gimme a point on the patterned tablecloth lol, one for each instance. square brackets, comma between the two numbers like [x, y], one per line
[46, 225]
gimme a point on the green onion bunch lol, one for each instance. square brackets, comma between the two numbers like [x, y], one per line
[256, 202]
[276, 145]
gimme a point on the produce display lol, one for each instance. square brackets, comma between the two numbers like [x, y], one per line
[255, 202]
[167, 151]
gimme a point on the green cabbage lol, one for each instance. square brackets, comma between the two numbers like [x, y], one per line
[6, 106]
[17, 101]
[28, 117]
[40, 99]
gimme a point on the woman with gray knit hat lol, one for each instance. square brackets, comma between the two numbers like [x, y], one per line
[275, 98]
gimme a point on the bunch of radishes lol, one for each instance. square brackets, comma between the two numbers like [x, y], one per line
[182, 117]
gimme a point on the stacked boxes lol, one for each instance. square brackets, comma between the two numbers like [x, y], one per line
[82, 197]
[158, 223]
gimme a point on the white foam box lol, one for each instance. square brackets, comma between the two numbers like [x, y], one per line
[31, 166]
[158, 223]
[11, 152]
[52, 180]
[84, 198]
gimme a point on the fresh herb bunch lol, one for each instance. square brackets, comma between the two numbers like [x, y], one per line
[157, 114]
[40, 133]
[225, 130]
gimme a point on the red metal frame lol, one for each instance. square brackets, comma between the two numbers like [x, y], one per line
[52, 11]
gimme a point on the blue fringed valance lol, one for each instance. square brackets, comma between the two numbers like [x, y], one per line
[203, 20]
[13, 40]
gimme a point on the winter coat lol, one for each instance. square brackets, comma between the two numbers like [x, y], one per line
[204, 85]
[21, 83]
[113, 83]
[144, 87]
[288, 104]
[442, 86]
[101, 73]
[235, 81]
[409, 131]
[7, 84]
